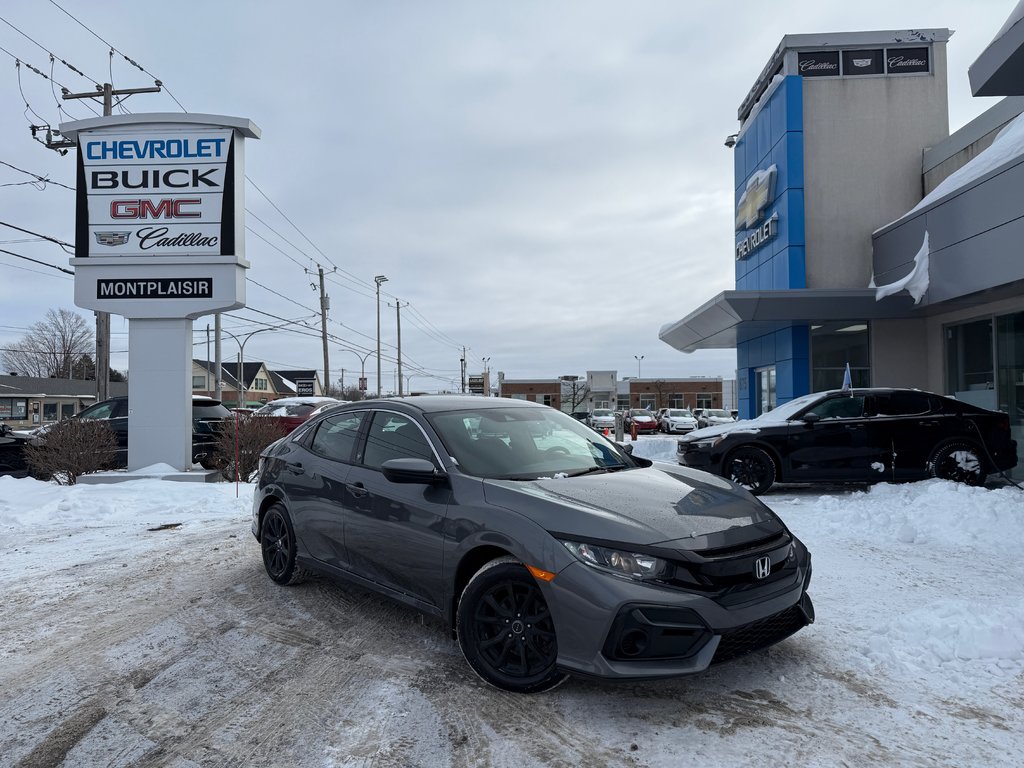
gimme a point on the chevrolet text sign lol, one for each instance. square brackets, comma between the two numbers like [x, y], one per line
[172, 192]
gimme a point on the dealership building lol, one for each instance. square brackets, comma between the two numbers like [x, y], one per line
[866, 234]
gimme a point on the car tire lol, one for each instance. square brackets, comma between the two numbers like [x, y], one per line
[505, 629]
[277, 540]
[960, 461]
[750, 468]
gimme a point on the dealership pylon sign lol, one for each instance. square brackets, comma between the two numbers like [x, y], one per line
[159, 225]
[160, 240]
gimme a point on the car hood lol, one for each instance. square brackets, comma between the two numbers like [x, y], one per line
[659, 505]
[749, 427]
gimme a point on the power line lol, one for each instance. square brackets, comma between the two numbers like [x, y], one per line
[61, 243]
[113, 50]
[36, 176]
[52, 55]
[36, 261]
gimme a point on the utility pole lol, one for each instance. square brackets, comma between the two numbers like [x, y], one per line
[378, 279]
[462, 366]
[325, 304]
[107, 92]
[398, 312]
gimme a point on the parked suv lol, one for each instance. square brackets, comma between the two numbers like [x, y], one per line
[712, 417]
[207, 414]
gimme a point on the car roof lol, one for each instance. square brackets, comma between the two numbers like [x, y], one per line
[441, 403]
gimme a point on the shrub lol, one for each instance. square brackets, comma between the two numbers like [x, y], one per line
[240, 442]
[73, 447]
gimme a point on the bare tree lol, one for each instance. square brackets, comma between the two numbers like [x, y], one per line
[575, 392]
[52, 347]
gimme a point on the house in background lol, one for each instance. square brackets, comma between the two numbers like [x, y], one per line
[27, 401]
[261, 385]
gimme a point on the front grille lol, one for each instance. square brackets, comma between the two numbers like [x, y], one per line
[759, 634]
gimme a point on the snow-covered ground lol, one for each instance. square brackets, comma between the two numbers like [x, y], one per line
[139, 629]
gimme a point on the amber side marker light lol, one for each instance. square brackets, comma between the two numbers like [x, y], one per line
[540, 574]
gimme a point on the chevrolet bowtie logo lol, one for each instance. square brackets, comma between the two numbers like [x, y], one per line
[755, 198]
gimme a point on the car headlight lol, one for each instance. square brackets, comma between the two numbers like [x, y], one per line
[707, 442]
[621, 562]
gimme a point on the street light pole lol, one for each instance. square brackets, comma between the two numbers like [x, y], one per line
[240, 380]
[638, 359]
[378, 280]
[362, 361]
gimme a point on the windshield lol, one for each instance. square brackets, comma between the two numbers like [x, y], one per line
[602, 413]
[680, 414]
[786, 411]
[718, 413]
[525, 443]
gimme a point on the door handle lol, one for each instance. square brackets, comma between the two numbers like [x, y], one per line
[294, 467]
[357, 489]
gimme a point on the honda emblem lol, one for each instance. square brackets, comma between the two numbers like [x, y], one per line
[762, 567]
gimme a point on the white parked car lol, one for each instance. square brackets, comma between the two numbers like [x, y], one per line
[678, 420]
[601, 419]
[712, 417]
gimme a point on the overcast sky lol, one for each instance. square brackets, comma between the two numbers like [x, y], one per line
[543, 182]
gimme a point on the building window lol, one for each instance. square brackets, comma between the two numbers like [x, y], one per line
[547, 400]
[764, 386]
[970, 363]
[260, 384]
[833, 347]
[704, 400]
[676, 400]
[650, 402]
[67, 410]
[11, 408]
[198, 382]
[49, 411]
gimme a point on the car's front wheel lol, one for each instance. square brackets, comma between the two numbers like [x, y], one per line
[751, 468]
[277, 540]
[505, 629]
[959, 461]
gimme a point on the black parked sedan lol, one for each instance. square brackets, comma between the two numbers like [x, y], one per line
[546, 547]
[863, 436]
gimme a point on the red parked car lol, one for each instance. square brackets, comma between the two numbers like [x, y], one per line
[292, 411]
[643, 420]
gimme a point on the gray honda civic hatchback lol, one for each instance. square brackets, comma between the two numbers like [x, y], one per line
[548, 549]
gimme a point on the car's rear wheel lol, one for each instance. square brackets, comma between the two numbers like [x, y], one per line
[751, 468]
[505, 629]
[959, 461]
[277, 540]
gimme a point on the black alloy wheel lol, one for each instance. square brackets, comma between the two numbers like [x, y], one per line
[505, 629]
[277, 540]
[751, 468]
[959, 461]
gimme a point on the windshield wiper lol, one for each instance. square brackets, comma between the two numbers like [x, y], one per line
[609, 468]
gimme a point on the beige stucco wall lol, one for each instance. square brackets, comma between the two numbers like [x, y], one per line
[864, 134]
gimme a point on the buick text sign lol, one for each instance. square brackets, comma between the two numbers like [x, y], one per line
[157, 193]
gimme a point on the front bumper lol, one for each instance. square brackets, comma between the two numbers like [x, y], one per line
[612, 627]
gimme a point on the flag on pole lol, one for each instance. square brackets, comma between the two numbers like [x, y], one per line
[847, 381]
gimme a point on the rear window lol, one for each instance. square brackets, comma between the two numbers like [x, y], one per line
[218, 411]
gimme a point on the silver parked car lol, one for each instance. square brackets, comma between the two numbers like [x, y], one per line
[712, 417]
[547, 548]
[601, 419]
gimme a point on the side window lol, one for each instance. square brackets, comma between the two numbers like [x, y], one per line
[98, 411]
[842, 407]
[393, 436]
[903, 404]
[335, 437]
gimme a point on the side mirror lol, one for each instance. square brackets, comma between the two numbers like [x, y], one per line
[411, 471]
[626, 447]
[811, 418]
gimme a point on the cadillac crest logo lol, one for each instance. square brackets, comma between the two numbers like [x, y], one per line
[112, 238]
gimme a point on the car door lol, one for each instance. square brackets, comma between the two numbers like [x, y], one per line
[833, 445]
[907, 426]
[113, 413]
[393, 531]
[316, 484]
